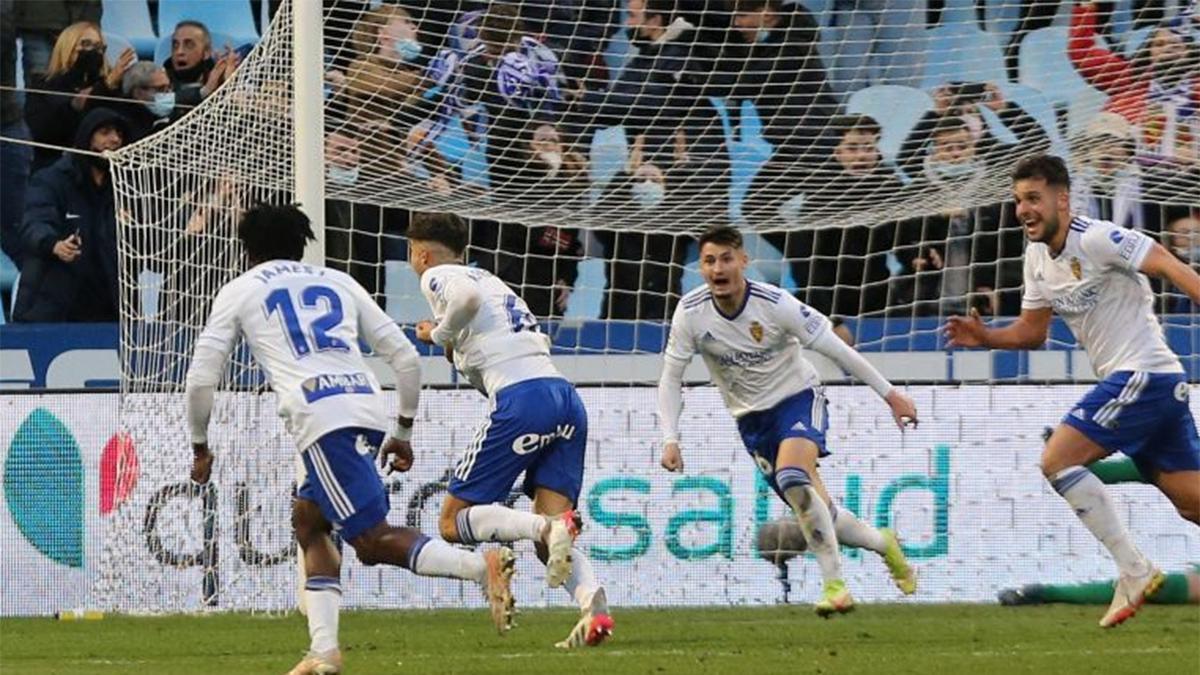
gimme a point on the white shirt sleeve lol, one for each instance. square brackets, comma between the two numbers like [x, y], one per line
[388, 342]
[680, 349]
[461, 298]
[800, 320]
[1032, 297]
[1111, 246]
[209, 358]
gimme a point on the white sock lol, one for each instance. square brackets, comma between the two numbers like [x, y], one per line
[1087, 496]
[853, 532]
[814, 517]
[582, 586]
[323, 595]
[493, 522]
[435, 558]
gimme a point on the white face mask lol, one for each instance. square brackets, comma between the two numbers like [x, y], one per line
[340, 175]
[553, 160]
[162, 104]
[648, 194]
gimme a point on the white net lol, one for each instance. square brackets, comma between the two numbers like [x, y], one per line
[864, 148]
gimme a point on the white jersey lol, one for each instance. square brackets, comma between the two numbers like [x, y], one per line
[303, 324]
[754, 355]
[1095, 285]
[501, 344]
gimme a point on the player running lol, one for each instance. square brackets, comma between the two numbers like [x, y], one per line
[536, 424]
[750, 335]
[303, 324]
[1092, 273]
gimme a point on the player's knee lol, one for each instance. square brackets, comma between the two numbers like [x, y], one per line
[307, 523]
[448, 527]
[367, 549]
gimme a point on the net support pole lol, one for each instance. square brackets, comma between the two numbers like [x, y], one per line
[309, 120]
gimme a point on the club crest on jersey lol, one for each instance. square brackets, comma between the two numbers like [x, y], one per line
[1076, 269]
[324, 386]
[756, 331]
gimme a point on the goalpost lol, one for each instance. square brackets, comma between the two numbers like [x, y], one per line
[865, 154]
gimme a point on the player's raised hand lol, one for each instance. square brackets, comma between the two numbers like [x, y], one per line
[425, 331]
[965, 331]
[202, 461]
[904, 411]
[672, 457]
[400, 454]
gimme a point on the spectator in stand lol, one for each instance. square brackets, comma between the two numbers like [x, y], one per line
[1109, 184]
[839, 269]
[548, 173]
[541, 263]
[384, 81]
[770, 57]
[194, 69]
[961, 257]
[1158, 90]
[962, 100]
[15, 158]
[70, 231]
[78, 79]
[1183, 239]
[151, 105]
[38, 25]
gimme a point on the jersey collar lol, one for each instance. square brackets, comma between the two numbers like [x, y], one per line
[741, 308]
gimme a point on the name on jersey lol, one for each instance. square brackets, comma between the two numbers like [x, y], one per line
[279, 269]
[1080, 300]
[746, 359]
[324, 386]
[527, 443]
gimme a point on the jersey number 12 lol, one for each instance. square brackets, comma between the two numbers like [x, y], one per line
[281, 300]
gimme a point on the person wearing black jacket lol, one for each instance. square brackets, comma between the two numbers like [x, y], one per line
[70, 232]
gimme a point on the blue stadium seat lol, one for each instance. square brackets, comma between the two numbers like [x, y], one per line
[1002, 17]
[114, 46]
[233, 18]
[402, 292]
[131, 18]
[1043, 64]
[1082, 108]
[897, 110]
[962, 53]
[1134, 39]
[587, 299]
[8, 281]
[607, 156]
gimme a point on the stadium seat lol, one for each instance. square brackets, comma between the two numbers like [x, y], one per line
[1002, 18]
[818, 8]
[131, 18]
[587, 299]
[748, 150]
[150, 285]
[115, 45]
[1132, 41]
[607, 156]
[230, 17]
[402, 292]
[1086, 105]
[962, 53]
[897, 110]
[8, 281]
[1043, 64]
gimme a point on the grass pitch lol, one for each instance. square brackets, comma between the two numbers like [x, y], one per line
[877, 639]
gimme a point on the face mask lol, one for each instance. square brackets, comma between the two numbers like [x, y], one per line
[1189, 254]
[88, 62]
[162, 105]
[408, 50]
[553, 160]
[949, 171]
[762, 35]
[340, 175]
[648, 194]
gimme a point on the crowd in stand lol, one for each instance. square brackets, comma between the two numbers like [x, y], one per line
[707, 86]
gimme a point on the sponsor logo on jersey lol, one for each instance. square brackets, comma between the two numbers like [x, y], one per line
[1078, 301]
[527, 443]
[756, 331]
[746, 359]
[1127, 249]
[324, 386]
[1076, 268]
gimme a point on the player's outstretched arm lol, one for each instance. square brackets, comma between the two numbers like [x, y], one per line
[1160, 263]
[670, 404]
[828, 344]
[1029, 331]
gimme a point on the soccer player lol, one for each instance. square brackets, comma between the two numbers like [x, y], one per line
[1093, 274]
[303, 324]
[536, 424]
[750, 335]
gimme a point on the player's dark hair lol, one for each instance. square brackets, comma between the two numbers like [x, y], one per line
[1047, 167]
[446, 229]
[950, 124]
[723, 235]
[274, 232]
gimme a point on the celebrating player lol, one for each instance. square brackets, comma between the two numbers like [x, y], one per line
[303, 324]
[1092, 273]
[750, 335]
[537, 423]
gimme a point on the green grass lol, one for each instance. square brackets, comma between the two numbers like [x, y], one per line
[885, 639]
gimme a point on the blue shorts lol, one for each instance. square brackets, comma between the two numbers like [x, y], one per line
[1143, 415]
[343, 481]
[537, 426]
[803, 415]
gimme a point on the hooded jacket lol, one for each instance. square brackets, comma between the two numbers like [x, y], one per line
[63, 199]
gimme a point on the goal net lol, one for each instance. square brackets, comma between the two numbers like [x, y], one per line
[864, 149]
